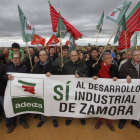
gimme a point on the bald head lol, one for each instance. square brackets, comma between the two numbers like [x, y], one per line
[74, 56]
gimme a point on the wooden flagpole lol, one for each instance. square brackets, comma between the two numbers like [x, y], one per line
[61, 47]
[29, 55]
[136, 46]
[98, 35]
[126, 45]
[107, 44]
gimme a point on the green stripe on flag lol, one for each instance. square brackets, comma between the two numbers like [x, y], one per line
[26, 83]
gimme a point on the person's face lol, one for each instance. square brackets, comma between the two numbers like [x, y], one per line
[79, 51]
[94, 54]
[136, 56]
[65, 52]
[15, 49]
[47, 50]
[5, 51]
[87, 56]
[31, 51]
[124, 56]
[58, 50]
[101, 49]
[74, 56]
[39, 49]
[36, 59]
[43, 56]
[51, 51]
[129, 55]
[16, 59]
[89, 49]
[81, 56]
[108, 59]
[118, 57]
[108, 47]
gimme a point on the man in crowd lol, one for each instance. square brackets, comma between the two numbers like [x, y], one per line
[52, 55]
[105, 70]
[92, 60]
[100, 48]
[66, 58]
[39, 48]
[45, 66]
[6, 53]
[77, 68]
[89, 49]
[16, 67]
[26, 60]
[130, 70]
[110, 49]
[129, 57]
[113, 59]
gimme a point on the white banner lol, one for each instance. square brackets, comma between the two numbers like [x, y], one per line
[68, 96]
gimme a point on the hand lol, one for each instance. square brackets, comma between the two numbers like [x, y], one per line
[128, 79]
[62, 66]
[76, 75]
[48, 74]
[10, 77]
[32, 70]
[115, 78]
[94, 65]
[95, 77]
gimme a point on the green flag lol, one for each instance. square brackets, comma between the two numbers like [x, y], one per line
[133, 43]
[27, 30]
[72, 43]
[122, 27]
[100, 23]
[117, 14]
[61, 27]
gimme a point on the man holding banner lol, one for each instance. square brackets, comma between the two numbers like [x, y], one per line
[131, 70]
[77, 68]
[18, 68]
[105, 70]
[44, 66]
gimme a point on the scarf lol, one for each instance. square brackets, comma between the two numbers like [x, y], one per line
[104, 71]
[7, 55]
[44, 64]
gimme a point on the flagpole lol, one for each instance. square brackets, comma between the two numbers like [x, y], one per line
[98, 35]
[61, 48]
[136, 46]
[126, 45]
[107, 44]
[29, 55]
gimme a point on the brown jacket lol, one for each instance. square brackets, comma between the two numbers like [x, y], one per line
[128, 69]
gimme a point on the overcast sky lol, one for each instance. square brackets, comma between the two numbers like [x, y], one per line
[82, 14]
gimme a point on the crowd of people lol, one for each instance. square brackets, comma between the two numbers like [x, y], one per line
[82, 62]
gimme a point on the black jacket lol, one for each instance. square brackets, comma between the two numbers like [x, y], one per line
[2, 83]
[90, 63]
[26, 62]
[39, 69]
[113, 71]
[78, 67]
[128, 69]
[54, 57]
[17, 69]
